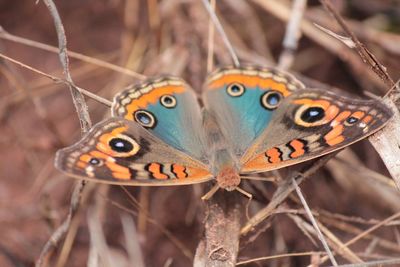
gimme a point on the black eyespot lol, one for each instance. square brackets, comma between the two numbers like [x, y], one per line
[351, 121]
[235, 89]
[168, 101]
[312, 114]
[271, 99]
[145, 118]
[94, 161]
[120, 145]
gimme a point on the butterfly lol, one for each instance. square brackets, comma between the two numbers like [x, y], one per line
[254, 120]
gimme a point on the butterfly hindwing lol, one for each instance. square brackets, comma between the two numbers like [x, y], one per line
[168, 108]
[310, 123]
[122, 152]
[244, 100]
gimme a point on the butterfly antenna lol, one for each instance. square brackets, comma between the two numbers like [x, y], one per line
[221, 30]
[210, 193]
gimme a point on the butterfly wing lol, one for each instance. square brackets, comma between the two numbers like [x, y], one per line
[244, 100]
[310, 123]
[168, 108]
[119, 151]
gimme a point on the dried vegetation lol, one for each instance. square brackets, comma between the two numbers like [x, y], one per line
[56, 221]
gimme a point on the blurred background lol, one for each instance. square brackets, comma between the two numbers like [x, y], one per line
[152, 37]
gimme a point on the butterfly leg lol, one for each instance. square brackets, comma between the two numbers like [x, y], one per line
[210, 193]
[247, 194]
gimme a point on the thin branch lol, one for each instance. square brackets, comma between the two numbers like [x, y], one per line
[365, 233]
[59, 80]
[13, 38]
[389, 262]
[84, 118]
[210, 50]
[292, 35]
[59, 233]
[314, 222]
[77, 97]
[363, 52]
[280, 10]
[221, 31]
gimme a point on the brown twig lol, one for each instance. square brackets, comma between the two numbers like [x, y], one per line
[77, 97]
[282, 12]
[292, 35]
[363, 52]
[221, 31]
[59, 80]
[210, 42]
[60, 232]
[84, 118]
[365, 233]
[222, 229]
[13, 38]
[314, 222]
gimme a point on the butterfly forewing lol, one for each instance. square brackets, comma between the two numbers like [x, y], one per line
[244, 100]
[168, 108]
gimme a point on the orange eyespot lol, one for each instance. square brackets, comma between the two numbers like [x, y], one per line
[96, 162]
[312, 112]
[117, 144]
[309, 116]
[121, 145]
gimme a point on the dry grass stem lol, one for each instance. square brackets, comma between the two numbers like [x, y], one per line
[292, 35]
[314, 222]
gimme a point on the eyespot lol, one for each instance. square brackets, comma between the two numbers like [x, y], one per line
[123, 146]
[271, 100]
[312, 114]
[95, 162]
[168, 101]
[120, 145]
[145, 118]
[350, 121]
[235, 89]
[309, 116]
